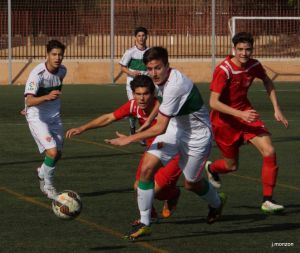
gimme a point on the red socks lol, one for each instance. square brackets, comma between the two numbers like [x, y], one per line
[269, 174]
[218, 166]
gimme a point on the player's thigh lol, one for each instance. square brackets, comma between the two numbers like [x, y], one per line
[41, 134]
[194, 152]
[228, 140]
[165, 147]
[264, 144]
[57, 132]
[169, 174]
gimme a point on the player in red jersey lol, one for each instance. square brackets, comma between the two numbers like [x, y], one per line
[235, 121]
[144, 107]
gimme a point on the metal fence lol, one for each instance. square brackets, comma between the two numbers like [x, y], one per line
[182, 26]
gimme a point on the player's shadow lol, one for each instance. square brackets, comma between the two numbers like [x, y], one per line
[225, 218]
[289, 209]
[237, 218]
[107, 248]
[273, 228]
[286, 139]
[66, 158]
[100, 193]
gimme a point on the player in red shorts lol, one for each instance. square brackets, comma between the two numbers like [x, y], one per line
[144, 107]
[235, 121]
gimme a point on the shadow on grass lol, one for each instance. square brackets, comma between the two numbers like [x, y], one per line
[261, 229]
[106, 248]
[81, 157]
[99, 193]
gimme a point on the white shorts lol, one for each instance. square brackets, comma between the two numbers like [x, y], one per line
[129, 92]
[193, 150]
[47, 135]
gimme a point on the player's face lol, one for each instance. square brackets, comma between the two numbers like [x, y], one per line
[158, 71]
[143, 97]
[242, 52]
[54, 59]
[141, 38]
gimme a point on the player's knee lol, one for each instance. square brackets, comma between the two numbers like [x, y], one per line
[53, 154]
[231, 166]
[147, 173]
[268, 151]
[192, 186]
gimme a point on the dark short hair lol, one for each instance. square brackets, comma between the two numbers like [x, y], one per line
[156, 53]
[142, 81]
[55, 44]
[242, 37]
[140, 29]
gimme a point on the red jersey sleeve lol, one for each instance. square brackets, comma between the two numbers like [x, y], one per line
[123, 111]
[219, 80]
[259, 71]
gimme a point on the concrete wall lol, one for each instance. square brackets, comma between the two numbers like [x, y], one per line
[99, 72]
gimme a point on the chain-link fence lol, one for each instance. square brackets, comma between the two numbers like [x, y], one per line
[182, 26]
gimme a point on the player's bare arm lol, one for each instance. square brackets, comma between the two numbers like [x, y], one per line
[278, 114]
[31, 100]
[247, 115]
[159, 128]
[129, 72]
[101, 121]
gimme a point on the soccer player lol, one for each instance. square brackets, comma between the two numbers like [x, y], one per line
[235, 121]
[42, 111]
[142, 107]
[183, 128]
[132, 64]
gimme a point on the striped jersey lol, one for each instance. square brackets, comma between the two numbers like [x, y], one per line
[41, 82]
[133, 59]
[182, 100]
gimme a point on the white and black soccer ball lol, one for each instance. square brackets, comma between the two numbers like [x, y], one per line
[67, 205]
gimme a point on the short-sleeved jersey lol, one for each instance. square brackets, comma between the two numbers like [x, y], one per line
[131, 108]
[133, 59]
[233, 82]
[41, 82]
[182, 100]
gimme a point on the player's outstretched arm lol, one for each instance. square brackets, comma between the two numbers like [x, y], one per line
[159, 128]
[278, 114]
[101, 121]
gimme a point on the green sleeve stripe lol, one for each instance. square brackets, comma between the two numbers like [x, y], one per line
[49, 161]
[193, 103]
[45, 91]
[136, 64]
[146, 185]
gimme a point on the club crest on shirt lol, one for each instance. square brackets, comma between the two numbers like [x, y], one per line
[48, 138]
[160, 145]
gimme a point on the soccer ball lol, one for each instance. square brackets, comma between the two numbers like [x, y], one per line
[67, 205]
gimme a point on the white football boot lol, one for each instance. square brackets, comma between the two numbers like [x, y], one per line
[270, 207]
[50, 191]
[213, 178]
